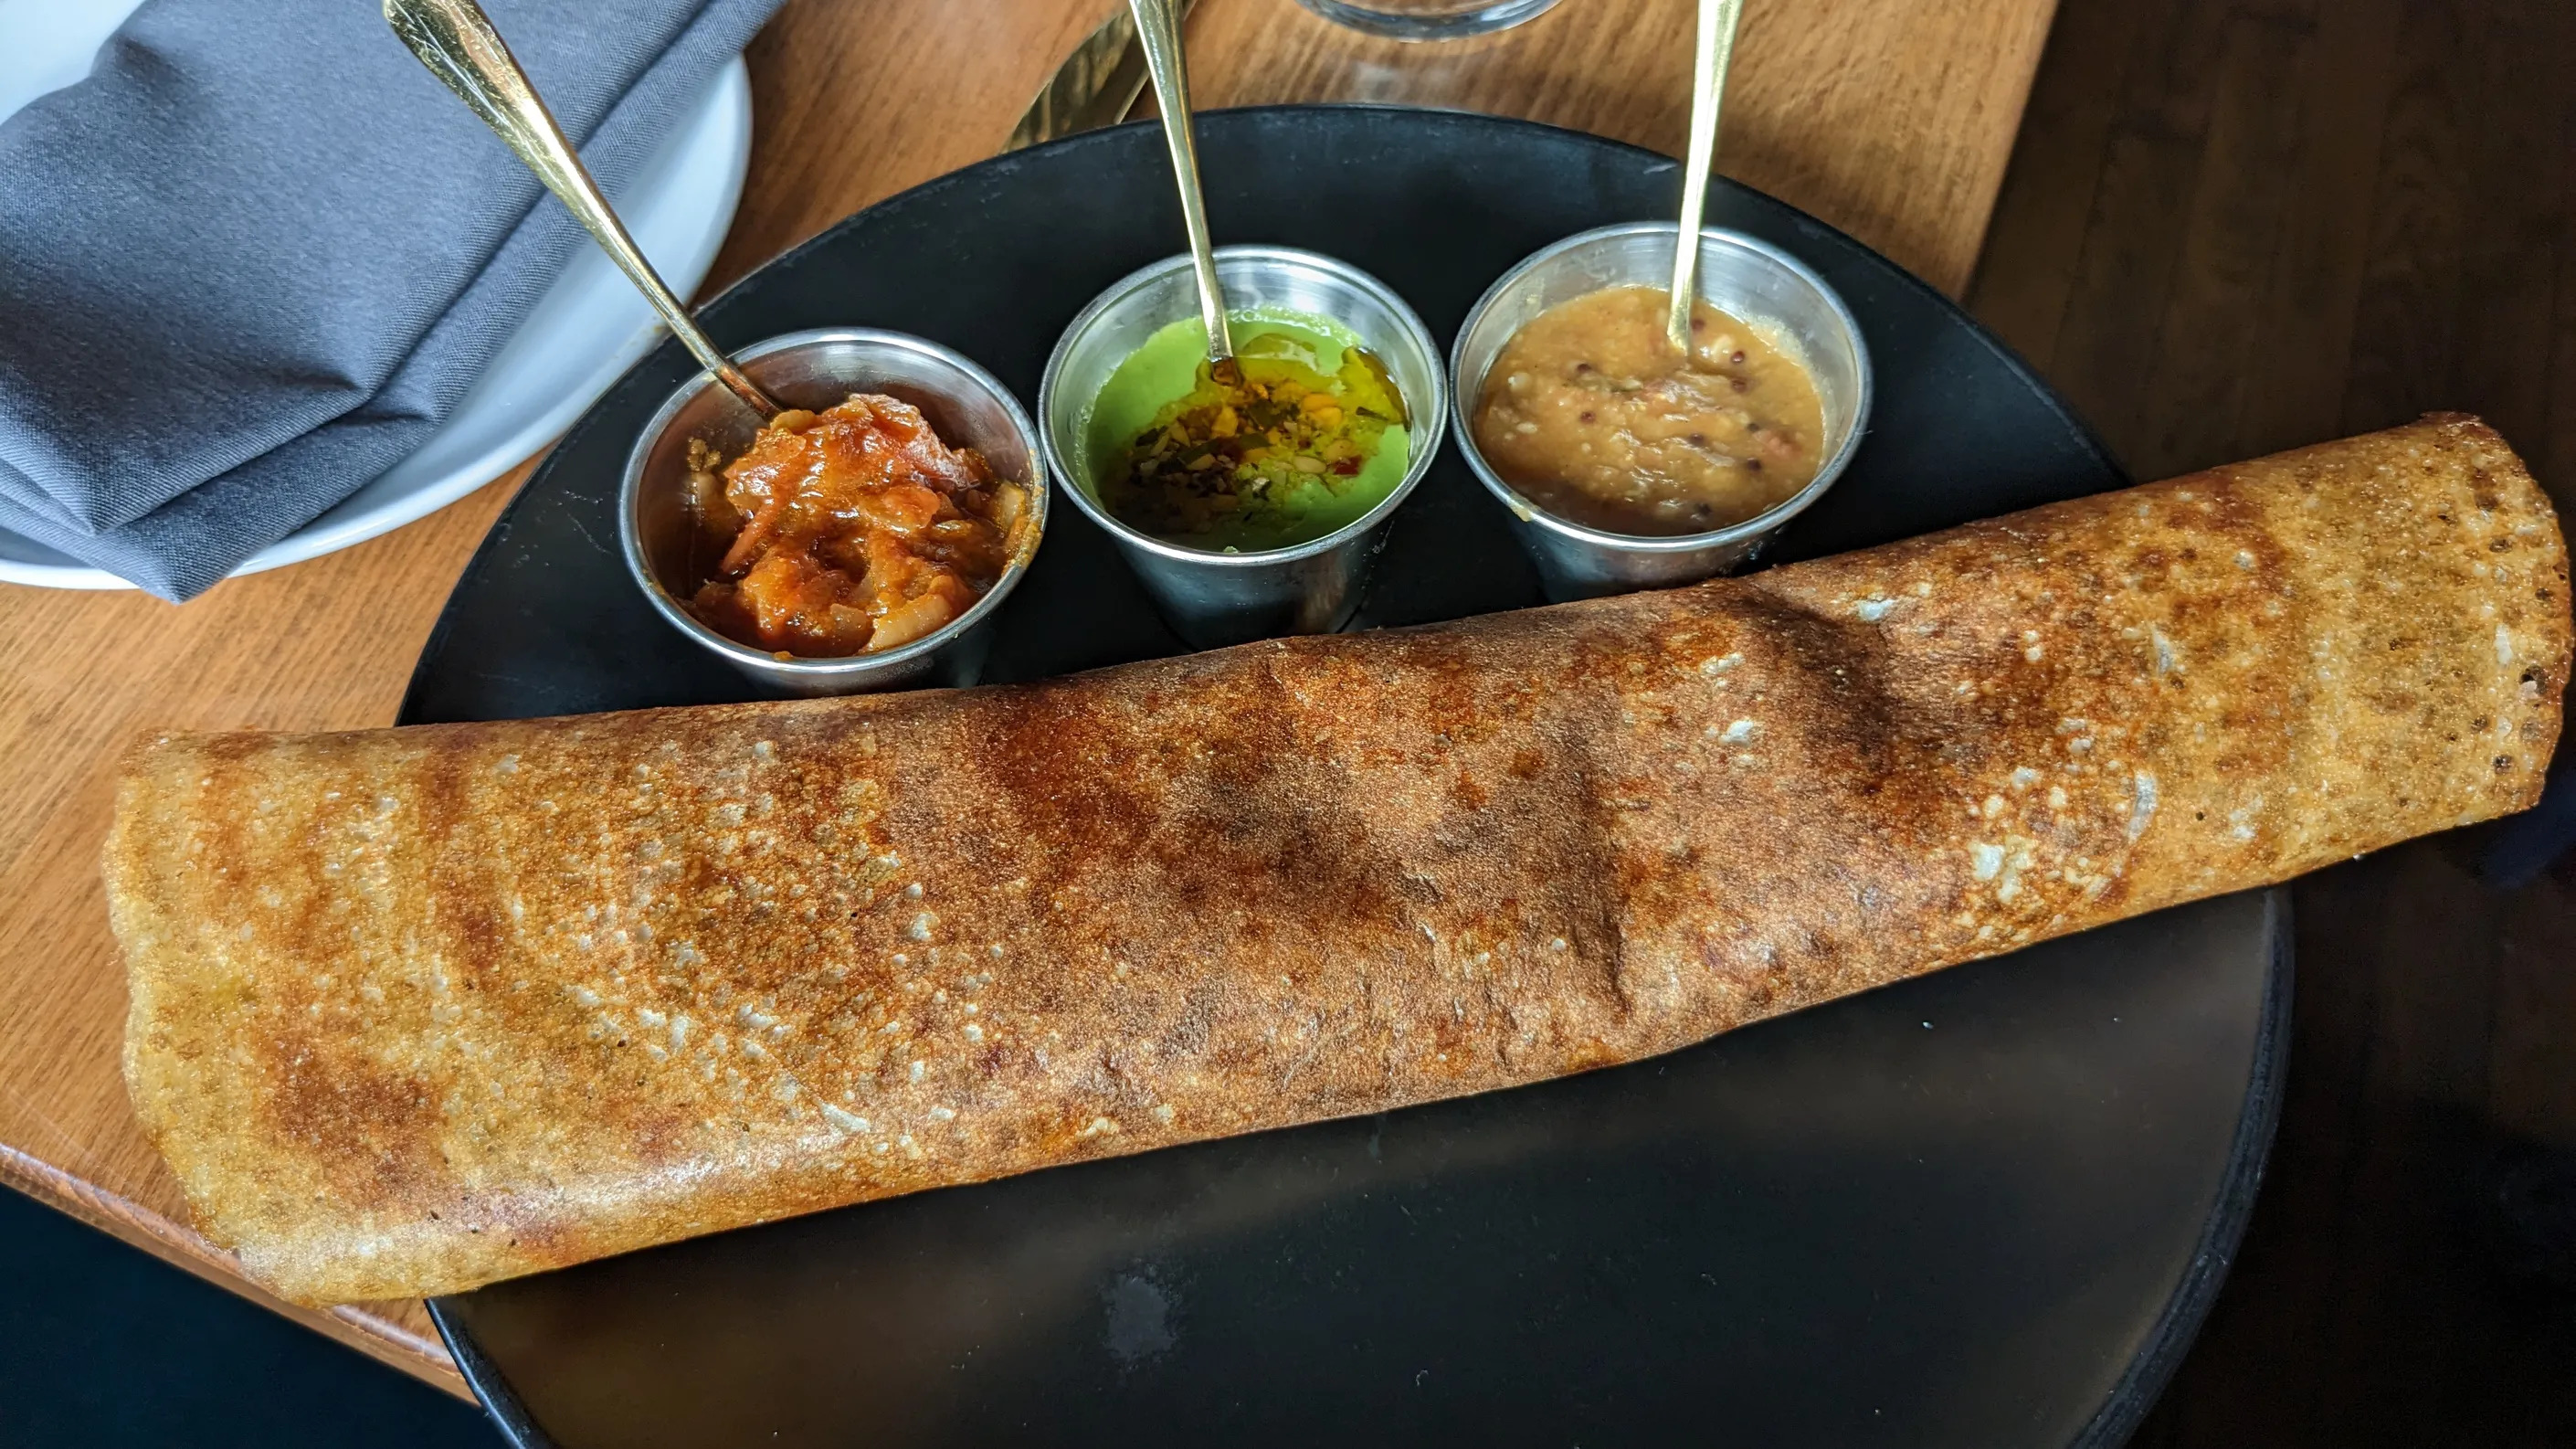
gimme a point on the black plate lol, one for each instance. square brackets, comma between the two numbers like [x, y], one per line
[1986, 1208]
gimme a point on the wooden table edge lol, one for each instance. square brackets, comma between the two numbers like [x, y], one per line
[386, 1342]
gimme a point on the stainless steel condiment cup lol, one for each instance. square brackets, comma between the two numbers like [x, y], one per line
[1213, 598]
[1739, 275]
[966, 405]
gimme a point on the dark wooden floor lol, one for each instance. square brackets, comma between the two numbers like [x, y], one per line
[2235, 226]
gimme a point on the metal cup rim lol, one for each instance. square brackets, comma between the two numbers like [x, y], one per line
[1760, 523]
[797, 666]
[1427, 439]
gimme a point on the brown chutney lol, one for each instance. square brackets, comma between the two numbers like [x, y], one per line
[1589, 413]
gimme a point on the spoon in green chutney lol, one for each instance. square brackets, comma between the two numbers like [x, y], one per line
[1158, 33]
[1715, 51]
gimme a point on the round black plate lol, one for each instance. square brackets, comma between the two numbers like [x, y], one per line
[1986, 1208]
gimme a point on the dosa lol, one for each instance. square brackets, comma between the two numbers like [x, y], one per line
[418, 1009]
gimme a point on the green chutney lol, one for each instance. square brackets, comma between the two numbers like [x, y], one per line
[1310, 438]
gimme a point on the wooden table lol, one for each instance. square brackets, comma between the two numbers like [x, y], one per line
[1892, 119]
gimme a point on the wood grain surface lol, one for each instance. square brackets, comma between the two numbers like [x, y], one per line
[1890, 118]
[2232, 225]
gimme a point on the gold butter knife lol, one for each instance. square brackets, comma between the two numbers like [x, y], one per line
[1097, 85]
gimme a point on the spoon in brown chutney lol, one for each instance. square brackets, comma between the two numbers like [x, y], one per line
[1710, 58]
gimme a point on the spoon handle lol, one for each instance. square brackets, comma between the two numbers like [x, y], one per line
[455, 39]
[1158, 31]
[1717, 20]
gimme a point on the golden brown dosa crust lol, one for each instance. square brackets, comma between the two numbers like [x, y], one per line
[414, 1010]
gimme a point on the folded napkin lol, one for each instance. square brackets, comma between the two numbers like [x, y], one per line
[256, 257]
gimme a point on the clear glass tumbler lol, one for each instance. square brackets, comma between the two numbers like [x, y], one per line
[1428, 19]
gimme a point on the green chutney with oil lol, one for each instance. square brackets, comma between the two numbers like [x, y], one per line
[1305, 436]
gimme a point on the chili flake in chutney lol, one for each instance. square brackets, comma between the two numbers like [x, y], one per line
[848, 531]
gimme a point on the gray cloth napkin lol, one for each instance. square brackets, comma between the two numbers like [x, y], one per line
[258, 255]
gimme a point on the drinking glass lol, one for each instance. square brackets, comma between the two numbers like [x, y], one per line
[1428, 19]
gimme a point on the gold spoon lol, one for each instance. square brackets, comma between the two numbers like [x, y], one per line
[1158, 30]
[455, 39]
[1717, 20]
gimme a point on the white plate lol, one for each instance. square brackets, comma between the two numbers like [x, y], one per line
[582, 334]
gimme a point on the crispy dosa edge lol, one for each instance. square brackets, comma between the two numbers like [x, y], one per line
[366, 1110]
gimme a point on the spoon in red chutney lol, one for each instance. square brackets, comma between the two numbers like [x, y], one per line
[455, 39]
